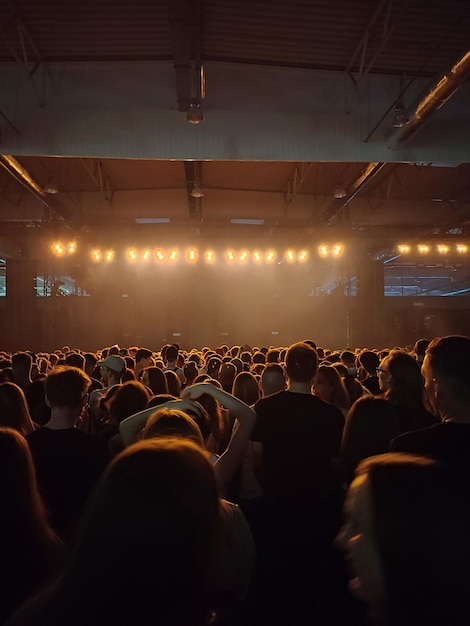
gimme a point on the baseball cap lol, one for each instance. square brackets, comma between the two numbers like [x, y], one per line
[113, 362]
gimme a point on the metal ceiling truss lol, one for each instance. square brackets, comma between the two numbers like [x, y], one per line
[296, 180]
[100, 177]
[20, 43]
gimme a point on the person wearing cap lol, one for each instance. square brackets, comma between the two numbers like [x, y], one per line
[111, 371]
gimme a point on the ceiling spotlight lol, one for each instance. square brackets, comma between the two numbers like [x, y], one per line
[197, 192]
[400, 118]
[323, 250]
[194, 114]
[423, 249]
[339, 192]
[404, 248]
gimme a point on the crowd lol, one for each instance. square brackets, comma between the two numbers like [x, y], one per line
[236, 486]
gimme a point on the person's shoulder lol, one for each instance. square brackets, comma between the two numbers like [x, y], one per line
[409, 440]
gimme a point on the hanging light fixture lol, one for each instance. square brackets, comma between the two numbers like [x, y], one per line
[400, 118]
[194, 114]
[197, 192]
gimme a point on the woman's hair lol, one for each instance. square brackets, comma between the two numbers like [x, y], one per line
[25, 535]
[339, 396]
[158, 383]
[14, 411]
[421, 516]
[174, 383]
[406, 382]
[146, 542]
[173, 423]
[190, 372]
[129, 398]
[246, 388]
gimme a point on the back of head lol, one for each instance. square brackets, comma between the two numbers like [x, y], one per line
[448, 358]
[301, 363]
[21, 363]
[406, 384]
[131, 397]
[14, 412]
[157, 381]
[348, 358]
[171, 353]
[227, 373]
[370, 361]
[273, 379]
[152, 525]
[142, 353]
[173, 382]
[420, 348]
[75, 359]
[420, 522]
[246, 388]
[22, 507]
[173, 423]
[66, 386]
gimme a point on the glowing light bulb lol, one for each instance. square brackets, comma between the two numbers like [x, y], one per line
[230, 256]
[173, 256]
[209, 256]
[423, 249]
[337, 250]
[323, 250]
[462, 248]
[271, 256]
[132, 255]
[146, 255]
[442, 249]
[404, 248]
[244, 256]
[290, 256]
[109, 256]
[257, 256]
[192, 255]
[159, 255]
[96, 255]
[303, 256]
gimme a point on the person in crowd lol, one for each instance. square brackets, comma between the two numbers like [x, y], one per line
[447, 384]
[171, 357]
[174, 382]
[22, 363]
[406, 537]
[30, 552]
[419, 349]
[14, 411]
[152, 529]
[296, 439]
[226, 376]
[190, 372]
[329, 386]
[369, 362]
[229, 461]
[373, 422]
[273, 379]
[68, 461]
[154, 378]
[112, 369]
[143, 359]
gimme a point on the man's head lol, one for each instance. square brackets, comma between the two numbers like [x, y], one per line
[112, 367]
[273, 379]
[370, 361]
[143, 358]
[171, 354]
[75, 359]
[447, 374]
[301, 363]
[21, 363]
[66, 387]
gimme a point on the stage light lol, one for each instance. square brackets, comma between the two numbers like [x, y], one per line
[132, 255]
[271, 256]
[290, 256]
[109, 256]
[337, 250]
[173, 256]
[58, 248]
[303, 256]
[442, 249]
[72, 247]
[209, 256]
[159, 255]
[244, 256]
[192, 255]
[461, 248]
[404, 248]
[323, 250]
[230, 256]
[145, 255]
[423, 249]
[257, 256]
[96, 255]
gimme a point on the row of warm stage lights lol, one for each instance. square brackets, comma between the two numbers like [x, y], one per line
[440, 248]
[192, 255]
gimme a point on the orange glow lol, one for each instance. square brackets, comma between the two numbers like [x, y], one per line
[337, 250]
[257, 256]
[423, 249]
[192, 255]
[230, 256]
[404, 248]
[323, 250]
[96, 255]
[173, 256]
[271, 256]
[290, 256]
[132, 255]
[159, 255]
[209, 256]
[109, 256]
[303, 256]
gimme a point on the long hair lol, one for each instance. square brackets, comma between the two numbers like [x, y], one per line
[25, 536]
[14, 411]
[339, 396]
[406, 381]
[421, 516]
[246, 388]
[158, 383]
[146, 543]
